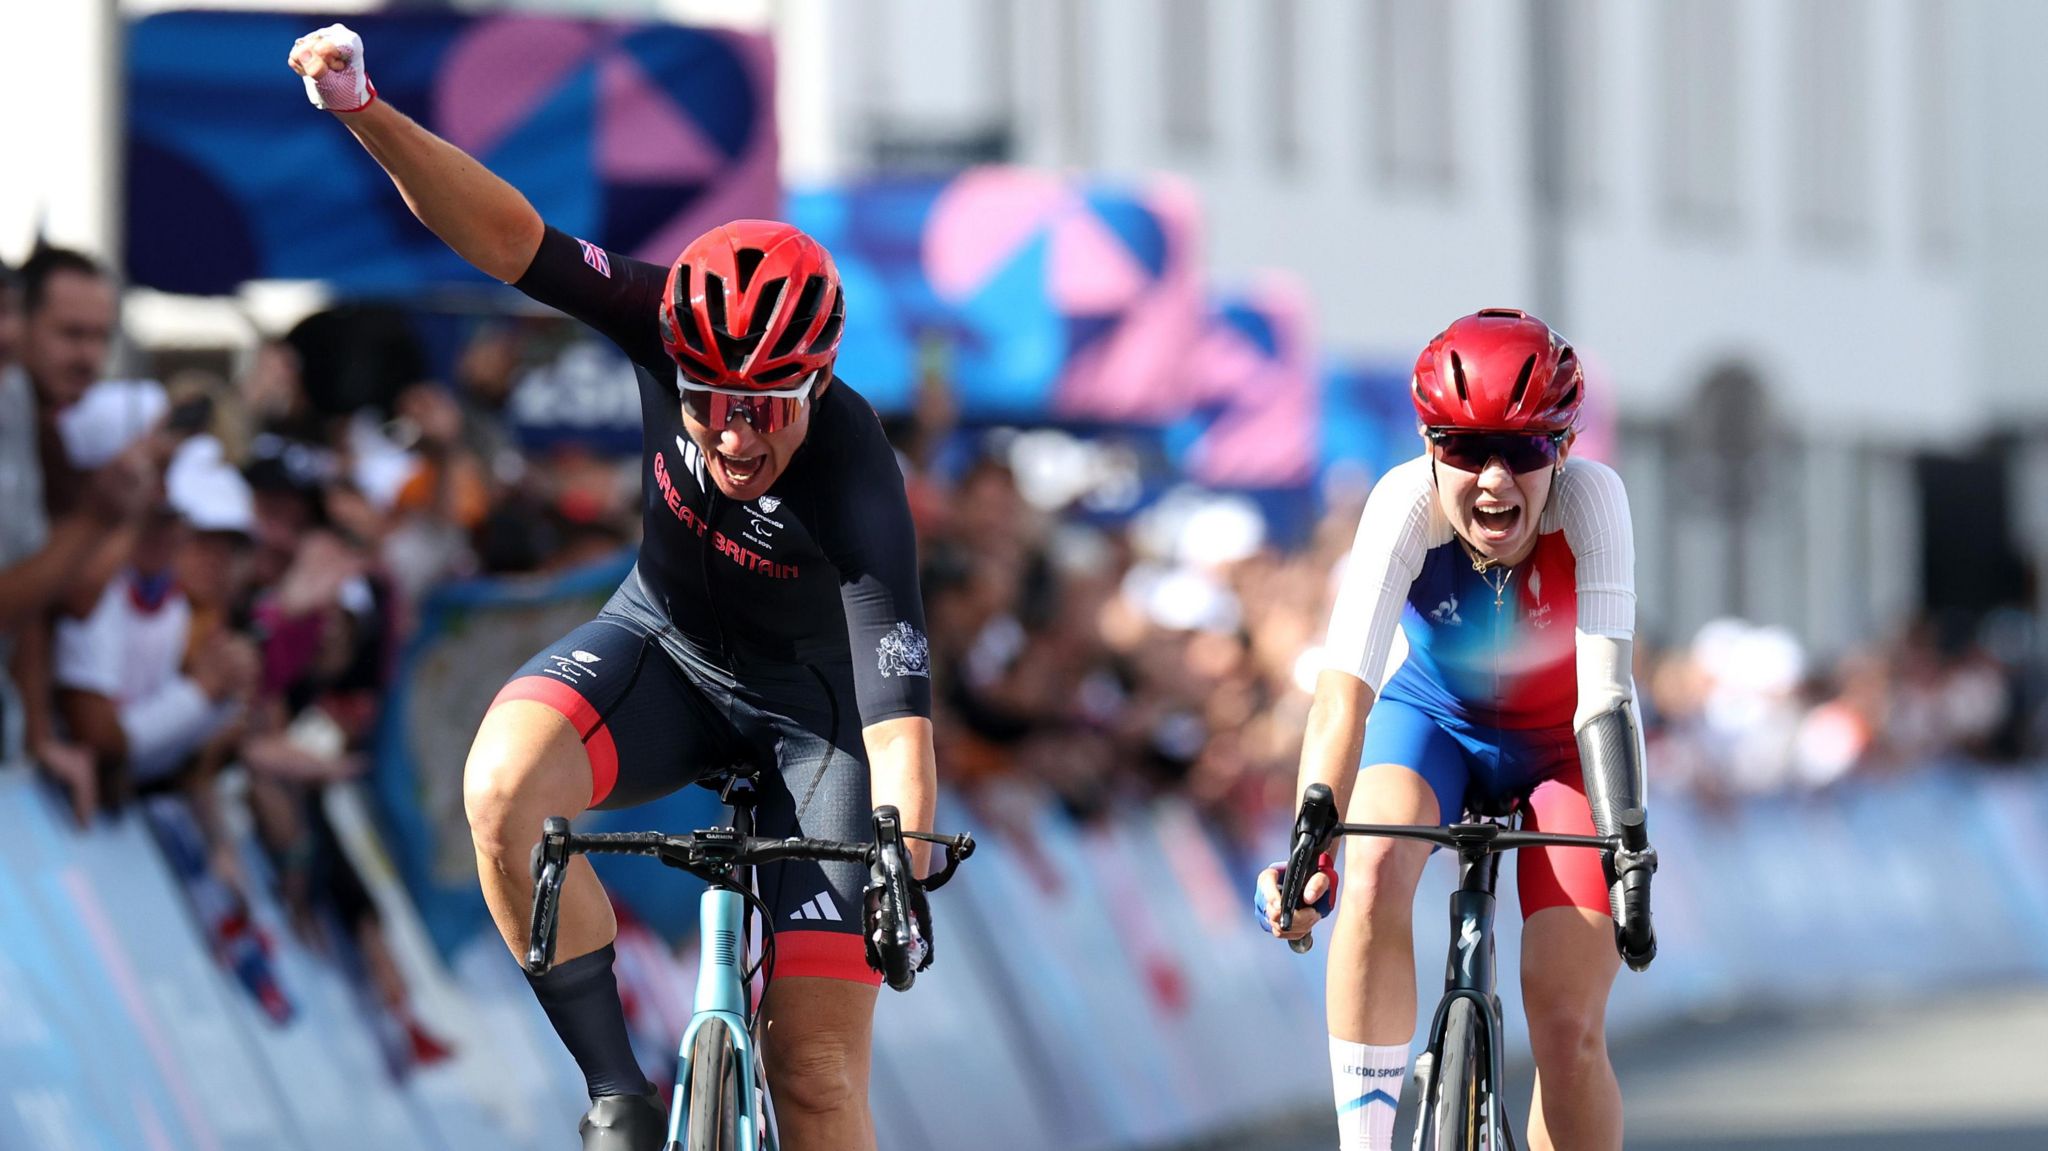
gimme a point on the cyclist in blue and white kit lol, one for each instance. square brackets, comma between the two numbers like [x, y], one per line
[1508, 567]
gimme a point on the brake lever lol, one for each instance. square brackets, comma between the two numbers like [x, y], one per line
[550, 868]
[1314, 827]
[894, 867]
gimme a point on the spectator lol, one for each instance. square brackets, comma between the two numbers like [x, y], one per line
[273, 402]
[125, 686]
[56, 536]
[328, 620]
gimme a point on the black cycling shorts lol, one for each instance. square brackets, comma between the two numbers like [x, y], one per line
[657, 713]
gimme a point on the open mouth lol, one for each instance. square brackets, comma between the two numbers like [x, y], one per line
[1497, 524]
[741, 471]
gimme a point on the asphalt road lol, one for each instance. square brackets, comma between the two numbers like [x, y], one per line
[1968, 1074]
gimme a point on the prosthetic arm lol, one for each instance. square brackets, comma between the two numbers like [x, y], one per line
[1611, 758]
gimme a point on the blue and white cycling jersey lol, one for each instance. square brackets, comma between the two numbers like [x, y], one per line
[1496, 648]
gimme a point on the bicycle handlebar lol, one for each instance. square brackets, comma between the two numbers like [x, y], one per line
[710, 854]
[1629, 858]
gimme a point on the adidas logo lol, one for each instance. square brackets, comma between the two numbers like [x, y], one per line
[820, 908]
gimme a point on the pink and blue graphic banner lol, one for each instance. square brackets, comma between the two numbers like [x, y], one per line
[1248, 392]
[639, 136]
[1072, 302]
[1052, 299]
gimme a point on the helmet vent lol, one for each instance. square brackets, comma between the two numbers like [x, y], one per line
[829, 334]
[714, 301]
[736, 349]
[765, 305]
[1458, 378]
[1503, 314]
[1521, 383]
[749, 261]
[685, 319]
[800, 317]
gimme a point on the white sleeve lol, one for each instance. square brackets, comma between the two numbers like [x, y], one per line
[1591, 507]
[85, 654]
[165, 727]
[1394, 535]
[1606, 679]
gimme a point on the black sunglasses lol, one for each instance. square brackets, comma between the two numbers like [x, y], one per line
[1472, 451]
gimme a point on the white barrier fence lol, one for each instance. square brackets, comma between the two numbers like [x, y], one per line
[1097, 987]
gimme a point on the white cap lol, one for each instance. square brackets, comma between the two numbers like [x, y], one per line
[207, 490]
[109, 418]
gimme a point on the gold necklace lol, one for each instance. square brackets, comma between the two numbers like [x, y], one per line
[1500, 586]
[1483, 565]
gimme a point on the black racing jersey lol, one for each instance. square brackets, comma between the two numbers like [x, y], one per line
[822, 568]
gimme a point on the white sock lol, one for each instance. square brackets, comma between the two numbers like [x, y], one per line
[1368, 1087]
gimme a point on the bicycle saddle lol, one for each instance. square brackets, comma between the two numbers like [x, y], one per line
[719, 778]
[1479, 805]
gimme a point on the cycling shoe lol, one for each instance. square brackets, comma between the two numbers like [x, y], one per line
[624, 1123]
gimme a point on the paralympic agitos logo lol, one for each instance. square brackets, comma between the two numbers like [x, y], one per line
[725, 545]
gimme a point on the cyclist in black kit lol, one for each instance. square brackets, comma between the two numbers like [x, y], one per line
[773, 616]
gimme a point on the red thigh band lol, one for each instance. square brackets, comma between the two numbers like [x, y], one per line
[597, 739]
[824, 955]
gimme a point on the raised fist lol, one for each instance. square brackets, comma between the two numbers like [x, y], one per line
[331, 61]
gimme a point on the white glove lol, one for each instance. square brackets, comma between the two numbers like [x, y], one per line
[331, 63]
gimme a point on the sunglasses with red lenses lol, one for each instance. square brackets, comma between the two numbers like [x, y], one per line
[1472, 451]
[766, 412]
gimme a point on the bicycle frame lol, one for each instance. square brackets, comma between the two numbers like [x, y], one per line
[1469, 970]
[722, 994]
[1470, 974]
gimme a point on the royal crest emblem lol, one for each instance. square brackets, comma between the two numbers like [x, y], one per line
[904, 652]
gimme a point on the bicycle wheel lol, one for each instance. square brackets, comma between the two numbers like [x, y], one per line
[714, 1119]
[1455, 1105]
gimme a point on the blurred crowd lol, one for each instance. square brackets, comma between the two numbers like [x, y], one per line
[1742, 710]
[1178, 653]
[205, 582]
[198, 621]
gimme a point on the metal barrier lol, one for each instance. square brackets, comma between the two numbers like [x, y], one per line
[1097, 987]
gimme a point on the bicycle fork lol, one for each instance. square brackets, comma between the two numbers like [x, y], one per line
[1469, 973]
[722, 996]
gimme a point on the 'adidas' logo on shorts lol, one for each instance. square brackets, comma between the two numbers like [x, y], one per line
[820, 908]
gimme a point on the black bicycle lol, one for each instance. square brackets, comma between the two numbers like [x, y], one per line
[721, 1099]
[1462, 1080]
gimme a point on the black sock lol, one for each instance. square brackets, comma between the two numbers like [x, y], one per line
[581, 998]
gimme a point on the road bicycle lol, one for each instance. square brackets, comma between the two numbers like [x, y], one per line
[1461, 1079]
[721, 1100]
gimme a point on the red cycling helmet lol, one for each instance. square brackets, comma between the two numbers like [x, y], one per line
[753, 304]
[1499, 369]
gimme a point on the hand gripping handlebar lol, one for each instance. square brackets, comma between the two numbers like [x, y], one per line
[1314, 828]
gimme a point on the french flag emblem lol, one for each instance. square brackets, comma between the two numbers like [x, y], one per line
[596, 258]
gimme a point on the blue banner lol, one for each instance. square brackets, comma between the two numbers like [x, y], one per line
[636, 136]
